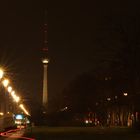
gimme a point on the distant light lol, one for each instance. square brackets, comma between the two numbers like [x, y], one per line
[17, 99]
[125, 94]
[21, 105]
[45, 61]
[63, 109]
[106, 78]
[108, 99]
[17, 122]
[27, 121]
[14, 96]
[86, 121]
[1, 113]
[5, 82]
[1, 73]
[23, 108]
[13, 93]
[19, 117]
[9, 89]
[116, 97]
[90, 121]
[96, 103]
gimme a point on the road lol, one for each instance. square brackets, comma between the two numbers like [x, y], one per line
[82, 133]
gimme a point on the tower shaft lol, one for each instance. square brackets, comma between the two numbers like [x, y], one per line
[45, 87]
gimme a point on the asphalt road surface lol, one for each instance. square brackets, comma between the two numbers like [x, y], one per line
[82, 133]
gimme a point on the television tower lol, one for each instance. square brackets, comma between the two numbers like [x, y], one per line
[45, 62]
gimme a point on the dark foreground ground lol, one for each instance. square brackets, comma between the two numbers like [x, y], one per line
[82, 133]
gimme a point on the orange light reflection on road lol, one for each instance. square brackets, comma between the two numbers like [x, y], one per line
[5, 134]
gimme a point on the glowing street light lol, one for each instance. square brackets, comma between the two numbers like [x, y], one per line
[17, 99]
[1, 113]
[116, 97]
[13, 93]
[9, 89]
[108, 99]
[23, 108]
[5, 82]
[125, 94]
[1, 73]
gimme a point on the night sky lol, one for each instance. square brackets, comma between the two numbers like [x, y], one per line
[80, 35]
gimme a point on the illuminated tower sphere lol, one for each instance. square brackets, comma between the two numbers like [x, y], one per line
[45, 62]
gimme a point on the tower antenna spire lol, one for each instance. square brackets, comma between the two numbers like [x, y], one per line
[45, 45]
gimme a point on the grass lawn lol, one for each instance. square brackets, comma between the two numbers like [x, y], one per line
[82, 133]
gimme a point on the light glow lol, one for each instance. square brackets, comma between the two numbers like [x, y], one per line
[13, 93]
[1, 113]
[108, 99]
[19, 117]
[86, 121]
[1, 73]
[5, 82]
[17, 99]
[125, 94]
[23, 108]
[45, 61]
[116, 97]
[17, 122]
[9, 89]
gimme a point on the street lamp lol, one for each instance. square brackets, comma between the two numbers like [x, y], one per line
[1, 113]
[17, 99]
[23, 108]
[108, 99]
[125, 94]
[13, 93]
[5, 82]
[9, 89]
[1, 73]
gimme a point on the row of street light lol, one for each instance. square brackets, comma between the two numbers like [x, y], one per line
[17, 99]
